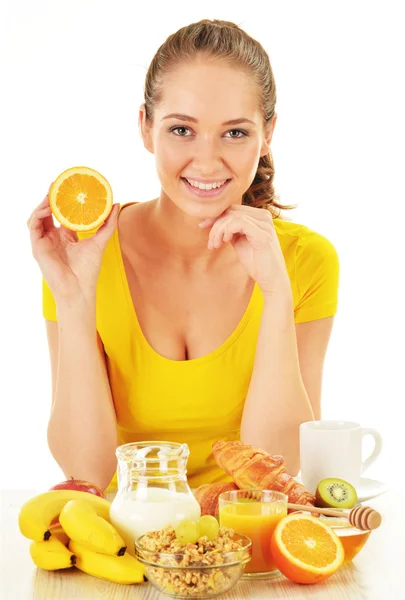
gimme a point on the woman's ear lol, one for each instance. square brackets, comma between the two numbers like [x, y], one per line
[145, 129]
[268, 134]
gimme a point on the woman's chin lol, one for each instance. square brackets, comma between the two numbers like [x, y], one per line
[202, 210]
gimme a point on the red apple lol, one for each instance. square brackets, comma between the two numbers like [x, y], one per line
[80, 486]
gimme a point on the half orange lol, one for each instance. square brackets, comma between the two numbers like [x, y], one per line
[81, 198]
[305, 549]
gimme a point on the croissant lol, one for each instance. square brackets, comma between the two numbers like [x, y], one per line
[207, 496]
[252, 467]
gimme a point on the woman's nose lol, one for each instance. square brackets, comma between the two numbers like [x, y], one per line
[207, 155]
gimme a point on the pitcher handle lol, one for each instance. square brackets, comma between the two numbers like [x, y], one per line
[378, 444]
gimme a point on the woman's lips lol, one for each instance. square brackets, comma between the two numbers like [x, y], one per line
[205, 193]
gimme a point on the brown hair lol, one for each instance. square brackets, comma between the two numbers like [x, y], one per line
[226, 41]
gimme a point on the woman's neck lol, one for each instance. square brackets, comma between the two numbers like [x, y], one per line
[178, 236]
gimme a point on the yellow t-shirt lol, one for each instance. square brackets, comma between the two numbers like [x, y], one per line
[197, 401]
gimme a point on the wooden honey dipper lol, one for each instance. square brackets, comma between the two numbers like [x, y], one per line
[362, 517]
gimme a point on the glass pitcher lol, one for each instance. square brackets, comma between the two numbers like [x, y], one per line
[152, 489]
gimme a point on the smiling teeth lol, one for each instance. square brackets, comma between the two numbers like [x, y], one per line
[205, 186]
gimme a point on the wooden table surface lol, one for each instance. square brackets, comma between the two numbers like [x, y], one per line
[375, 574]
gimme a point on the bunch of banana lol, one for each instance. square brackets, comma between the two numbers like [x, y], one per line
[37, 514]
[95, 546]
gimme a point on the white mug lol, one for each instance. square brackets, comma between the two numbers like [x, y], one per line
[334, 449]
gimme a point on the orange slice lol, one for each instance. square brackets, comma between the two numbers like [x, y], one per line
[81, 198]
[305, 549]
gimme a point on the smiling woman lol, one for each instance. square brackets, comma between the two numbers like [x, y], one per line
[201, 314]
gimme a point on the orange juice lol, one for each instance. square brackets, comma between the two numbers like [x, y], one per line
[257, 520]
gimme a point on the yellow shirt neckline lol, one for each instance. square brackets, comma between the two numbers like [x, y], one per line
[139, 333]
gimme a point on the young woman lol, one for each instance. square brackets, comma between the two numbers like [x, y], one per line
[212, 314]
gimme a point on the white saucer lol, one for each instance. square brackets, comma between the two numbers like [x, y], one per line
[367, 488]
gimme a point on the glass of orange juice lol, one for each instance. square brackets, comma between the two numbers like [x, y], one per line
[254, 513]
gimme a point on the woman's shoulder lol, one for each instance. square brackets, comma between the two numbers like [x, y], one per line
[300, 239]
[313, 265]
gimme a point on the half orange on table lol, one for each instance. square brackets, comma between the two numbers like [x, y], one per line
[81, 198]
[305, 549]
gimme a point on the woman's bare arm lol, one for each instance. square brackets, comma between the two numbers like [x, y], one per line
[312, 342]
[277, 402]
[82, 429]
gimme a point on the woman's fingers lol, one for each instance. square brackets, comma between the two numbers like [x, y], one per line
[40, 220]
[68, 234]
[38, 216]
[217, 231]
[261, 217]
[106, 230]
[36, 223]
[231, 225]
[253, 211]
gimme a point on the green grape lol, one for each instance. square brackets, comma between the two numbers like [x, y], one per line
[187, 532]
[209, 526]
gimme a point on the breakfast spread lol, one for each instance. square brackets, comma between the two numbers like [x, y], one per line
[157, 530]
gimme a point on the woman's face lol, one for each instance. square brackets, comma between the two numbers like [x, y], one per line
[203, 147]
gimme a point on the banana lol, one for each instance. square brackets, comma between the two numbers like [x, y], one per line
[83, 523]
[37, 514]
[119, 569]
[51, 555]
[58, 533]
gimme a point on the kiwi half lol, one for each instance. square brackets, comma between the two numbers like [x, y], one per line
[335, 493]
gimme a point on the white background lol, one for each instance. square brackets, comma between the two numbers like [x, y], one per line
[72, 76]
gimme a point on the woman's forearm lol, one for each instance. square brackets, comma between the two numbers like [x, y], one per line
[276, 403]
[82, 429]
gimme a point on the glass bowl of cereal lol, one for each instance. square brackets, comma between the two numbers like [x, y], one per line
[202, 569]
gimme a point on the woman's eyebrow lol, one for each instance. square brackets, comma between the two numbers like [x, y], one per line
[183, 117]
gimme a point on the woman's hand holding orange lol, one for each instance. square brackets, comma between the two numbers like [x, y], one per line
[251, 232]
[70, 266]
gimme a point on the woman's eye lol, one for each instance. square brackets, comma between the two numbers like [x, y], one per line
[244, 133]
[175, 128]
[239, 131]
